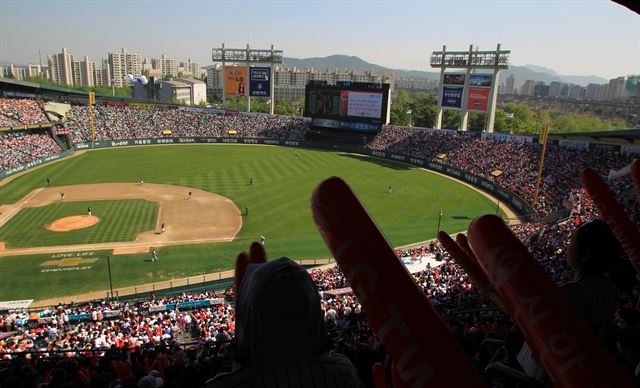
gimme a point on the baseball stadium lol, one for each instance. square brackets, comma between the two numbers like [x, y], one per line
[196, 204]
[151, 243]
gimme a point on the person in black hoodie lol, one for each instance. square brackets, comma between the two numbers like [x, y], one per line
[281, 339]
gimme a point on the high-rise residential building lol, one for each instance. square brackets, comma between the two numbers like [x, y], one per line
[63, 67]
[617, 88]
[633, 86]
[124, 63]
[591, 92]
[190, 68]
[510, 86]
[576, 91]
[77, 80]
[214, 77]
[541, 90]
[88, 72]
[18, 73]
[149, 71]
[528, 88]
[168, 66]
[554, 89]
[603, 92]
[106, 72]
[34, 70]
[290, 83]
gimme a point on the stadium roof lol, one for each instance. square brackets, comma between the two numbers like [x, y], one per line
[176, 83]
[626, 135]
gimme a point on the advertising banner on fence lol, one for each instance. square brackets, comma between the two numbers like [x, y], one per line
[478, 99]
[481, 80]
[453, 79]
[452, 97]
[259, 81]
[235, 78]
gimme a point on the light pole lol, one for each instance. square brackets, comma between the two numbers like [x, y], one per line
[439, 220]
[110, 283]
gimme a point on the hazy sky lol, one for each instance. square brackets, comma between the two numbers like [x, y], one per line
[595, 37]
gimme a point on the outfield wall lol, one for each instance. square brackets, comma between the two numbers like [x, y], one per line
[522, 209]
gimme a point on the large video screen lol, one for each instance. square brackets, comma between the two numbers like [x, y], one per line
[357, 102]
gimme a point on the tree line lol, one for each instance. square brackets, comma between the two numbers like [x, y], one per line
[419, 109]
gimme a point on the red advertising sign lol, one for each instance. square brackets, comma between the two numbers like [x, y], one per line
[478, 99]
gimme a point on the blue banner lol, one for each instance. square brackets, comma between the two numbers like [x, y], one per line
[451, 97]
[259, 81]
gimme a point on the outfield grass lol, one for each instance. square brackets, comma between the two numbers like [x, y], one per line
[120, 220]
[278, 203]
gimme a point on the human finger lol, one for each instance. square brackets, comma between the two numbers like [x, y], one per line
[401, 315]
[558, 337]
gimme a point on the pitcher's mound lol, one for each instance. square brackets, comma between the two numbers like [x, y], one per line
[67, 224]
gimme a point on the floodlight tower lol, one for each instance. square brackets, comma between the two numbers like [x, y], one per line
[470, 61]
[248, 56]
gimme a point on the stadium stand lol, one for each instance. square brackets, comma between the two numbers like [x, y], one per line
[517, 162]
[18, 149]
[186, 339]
[14, 111]
[120, 122]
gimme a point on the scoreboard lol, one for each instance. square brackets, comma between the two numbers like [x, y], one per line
[348, 101]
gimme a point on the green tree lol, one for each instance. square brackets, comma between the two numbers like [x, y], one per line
[124, 91]
[476, 121]
[450, 119]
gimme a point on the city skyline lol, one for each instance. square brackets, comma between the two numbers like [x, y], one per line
[569, 37]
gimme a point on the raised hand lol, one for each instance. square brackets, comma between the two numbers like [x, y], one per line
[561, 341]
[421, 345]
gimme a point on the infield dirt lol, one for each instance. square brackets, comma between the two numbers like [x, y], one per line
[203, 218]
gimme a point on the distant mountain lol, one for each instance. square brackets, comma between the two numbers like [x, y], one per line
[583, 80]
[541, 69]
[333, 62]
[352, 63]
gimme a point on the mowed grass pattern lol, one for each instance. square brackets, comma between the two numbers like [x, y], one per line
[120, 220]
[278, 203]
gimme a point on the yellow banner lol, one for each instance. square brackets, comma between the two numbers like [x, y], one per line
[235, 78]
[92, 98]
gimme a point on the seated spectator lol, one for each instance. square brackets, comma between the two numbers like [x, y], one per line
[280, 334]
[600, 272]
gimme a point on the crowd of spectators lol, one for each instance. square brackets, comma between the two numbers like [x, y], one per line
[145, 342]
[516, 161]
[18, 149]
[124, 122]
[20, 111]
[139, 343]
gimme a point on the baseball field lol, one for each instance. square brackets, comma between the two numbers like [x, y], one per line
[238, 193]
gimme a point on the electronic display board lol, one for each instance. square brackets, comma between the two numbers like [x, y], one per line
[347, 101]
